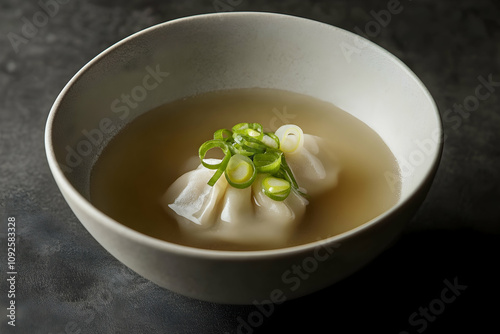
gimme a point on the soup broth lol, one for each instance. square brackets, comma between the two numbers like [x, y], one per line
[148, 155]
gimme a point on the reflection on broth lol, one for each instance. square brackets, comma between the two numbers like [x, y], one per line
[144, 159]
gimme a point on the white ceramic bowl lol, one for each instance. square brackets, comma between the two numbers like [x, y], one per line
[238, 50]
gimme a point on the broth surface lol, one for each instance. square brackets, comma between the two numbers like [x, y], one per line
[150, 153]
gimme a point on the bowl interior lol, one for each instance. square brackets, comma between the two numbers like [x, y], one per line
[243, 50]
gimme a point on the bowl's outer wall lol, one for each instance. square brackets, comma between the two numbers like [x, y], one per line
[252, 279]
[240, 50]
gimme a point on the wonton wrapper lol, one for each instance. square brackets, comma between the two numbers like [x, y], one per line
[314, 165]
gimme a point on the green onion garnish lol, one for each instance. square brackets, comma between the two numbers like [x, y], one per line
[223, 134]
[291, 138]
[269, 162]
[271, 140]
[250, 129]
[249, 143]
[221, 167]
[249, 150]
[240, 171]
[276, 188]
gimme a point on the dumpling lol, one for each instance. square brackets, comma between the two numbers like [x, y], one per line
[311, 159]
[314, 166]
[223, 213]
[248, 216]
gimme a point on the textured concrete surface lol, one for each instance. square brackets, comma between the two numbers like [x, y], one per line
[437, 278]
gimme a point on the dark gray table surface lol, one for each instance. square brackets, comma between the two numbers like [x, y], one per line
[67, 283]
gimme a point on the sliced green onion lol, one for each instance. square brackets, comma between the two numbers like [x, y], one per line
[271, 140]
[240, 171]
[245, 127]
[207, 146]
[219, 171]
[221, 166]
[253, 133]
[291, 138]
[249, 144]
[269, 162]
[276, 188]
[238, 149]
[249, 150]
[219, 134]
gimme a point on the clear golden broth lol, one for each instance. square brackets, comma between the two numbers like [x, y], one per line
[148, 155]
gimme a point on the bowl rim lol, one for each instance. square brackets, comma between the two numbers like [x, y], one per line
[67, 188]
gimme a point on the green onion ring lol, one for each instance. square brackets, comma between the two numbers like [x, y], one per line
[250, 144]
[240, 171]
[269, 162]
[219, 134]
[271, 140]
[276, 188]
[221, 167]
[243, 127]
[238, 149]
